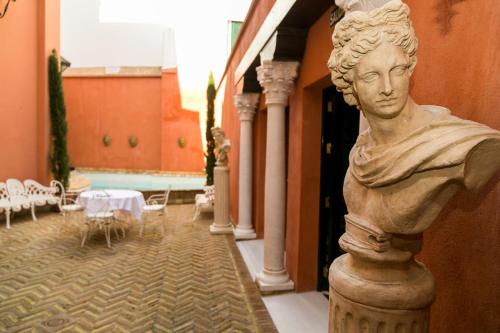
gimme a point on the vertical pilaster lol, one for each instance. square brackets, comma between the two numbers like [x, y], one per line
[246, 105]
[276, 79]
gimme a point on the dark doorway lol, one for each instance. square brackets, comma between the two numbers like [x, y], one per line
[340, 127]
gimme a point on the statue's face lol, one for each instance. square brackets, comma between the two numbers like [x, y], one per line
[381, 81]
[218, 138]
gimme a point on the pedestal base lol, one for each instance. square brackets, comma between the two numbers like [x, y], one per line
[367, 297]
[244, 233]
[216, 229]
[349, 317]
[222, 222]
[274, 281]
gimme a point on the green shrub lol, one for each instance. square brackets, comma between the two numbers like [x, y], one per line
[59, 157]
[210, 155]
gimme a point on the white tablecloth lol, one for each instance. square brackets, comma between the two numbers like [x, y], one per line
[99, 200]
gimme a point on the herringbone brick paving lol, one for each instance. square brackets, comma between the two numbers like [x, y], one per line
[189, 281]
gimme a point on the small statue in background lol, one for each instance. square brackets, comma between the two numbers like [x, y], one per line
[223, 146]
[222, 221]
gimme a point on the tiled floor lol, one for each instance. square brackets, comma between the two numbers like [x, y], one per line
[291, 312]
[188, 281]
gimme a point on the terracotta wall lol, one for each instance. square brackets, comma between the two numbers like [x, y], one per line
[459, 68]
[176, 123]
[118, 107]
[259, 168]
[29, 31]
[304, 158]
[48, 39]
[147, 107]
[230, 117]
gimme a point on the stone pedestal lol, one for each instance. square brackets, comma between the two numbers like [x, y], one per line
[277, 79]
[378, 286]
[222, 223]
[246, 104]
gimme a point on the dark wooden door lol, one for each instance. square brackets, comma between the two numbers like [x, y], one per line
[340, 127]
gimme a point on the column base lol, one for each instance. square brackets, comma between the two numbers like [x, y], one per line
[240, 233]
[279, 281]
[218, 229]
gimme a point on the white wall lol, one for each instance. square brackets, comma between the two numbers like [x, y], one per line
[86, 42]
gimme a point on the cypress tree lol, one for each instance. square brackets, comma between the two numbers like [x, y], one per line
[210, 155]
[59, 158]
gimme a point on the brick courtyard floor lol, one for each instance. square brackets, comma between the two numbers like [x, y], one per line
[188, 281]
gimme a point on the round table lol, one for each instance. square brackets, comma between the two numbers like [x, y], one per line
[97, 200]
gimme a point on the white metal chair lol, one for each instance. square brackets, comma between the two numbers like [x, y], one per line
[120, 220]
[18, 196]
[67, 205]
[155, 205]
[40, 195]
[101, 219]
[204, 203]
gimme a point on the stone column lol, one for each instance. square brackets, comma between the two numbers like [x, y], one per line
[277, 79]
[246, 104]
[222, 223]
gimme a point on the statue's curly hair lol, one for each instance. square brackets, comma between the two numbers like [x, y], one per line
[216, 130]
[361, 32]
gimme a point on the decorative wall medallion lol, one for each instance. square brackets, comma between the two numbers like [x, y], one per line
[181, 141]
[132, 141]
[106, 140]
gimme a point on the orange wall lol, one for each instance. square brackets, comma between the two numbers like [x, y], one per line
[176, 123]
[230, 117]
[304, 158]
[119, 107]
[29, 31]
[231, 127]
[459, 67]
[259, 167]
[48, 39]
[147, 107]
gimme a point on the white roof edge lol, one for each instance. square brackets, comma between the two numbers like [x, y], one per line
[266, 31]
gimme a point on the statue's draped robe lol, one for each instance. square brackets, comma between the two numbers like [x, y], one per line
[402, 184]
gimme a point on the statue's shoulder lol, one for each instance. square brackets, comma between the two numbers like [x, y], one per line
[473, 146]
[436, 109]
[442, 116]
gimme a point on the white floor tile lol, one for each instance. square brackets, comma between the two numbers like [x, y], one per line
[298, 312]
[291, 312]
[252, 252]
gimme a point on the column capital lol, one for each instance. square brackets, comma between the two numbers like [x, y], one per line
[276, 79]
[246, 103]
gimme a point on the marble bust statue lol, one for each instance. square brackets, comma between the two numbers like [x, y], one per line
[402, 170]
[223, 146]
